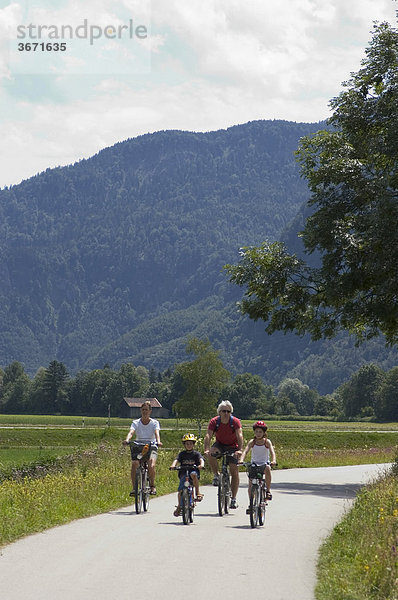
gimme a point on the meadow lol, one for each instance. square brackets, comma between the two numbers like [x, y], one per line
[56, 469]
[31, 440]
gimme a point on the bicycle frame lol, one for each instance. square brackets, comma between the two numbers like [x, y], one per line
[257, 502]
[142, 488]
[224, 483]
[187, 500]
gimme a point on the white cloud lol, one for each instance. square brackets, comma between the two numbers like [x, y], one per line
[214, 64]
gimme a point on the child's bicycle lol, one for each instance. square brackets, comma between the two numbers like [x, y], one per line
[258, 493]
[142, 488]
[188, 500]
[224, 483]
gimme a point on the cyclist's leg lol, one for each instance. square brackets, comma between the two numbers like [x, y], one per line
[268, 481]
[213, 461]
[233, 469]
[152, 470]
[195, 481]
[134, 467]
[177, 511]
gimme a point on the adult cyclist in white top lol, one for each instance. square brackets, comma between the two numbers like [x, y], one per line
[146, 431]
[262, 453]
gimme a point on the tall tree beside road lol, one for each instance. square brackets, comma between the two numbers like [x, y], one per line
[352, 171]
[204, 377]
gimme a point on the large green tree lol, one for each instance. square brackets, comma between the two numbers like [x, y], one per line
[54, 391]
[352, 172]
[299, 394]
[15, 389]
[203, 379]
[387, 397]
[248, 395]
[358, 395]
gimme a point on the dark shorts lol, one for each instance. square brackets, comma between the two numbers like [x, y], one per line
[182, 478]
[136, 448]
[223, 448]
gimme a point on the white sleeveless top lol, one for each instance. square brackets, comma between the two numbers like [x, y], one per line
[260, 454]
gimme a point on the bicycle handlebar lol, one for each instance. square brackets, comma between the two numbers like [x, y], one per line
[185, 468]
[224, 453]
[139, 443]
[253, 464]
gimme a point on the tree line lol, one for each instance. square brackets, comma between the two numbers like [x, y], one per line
[192, 390]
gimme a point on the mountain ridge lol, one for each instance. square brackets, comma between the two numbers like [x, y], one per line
[101, 258]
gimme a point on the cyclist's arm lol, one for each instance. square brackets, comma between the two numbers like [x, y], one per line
[129, 436]
[239, 436]
[246, 450]
[201, 464]
[174, 463]
[206, 441]
[272, 452]
[157, 437]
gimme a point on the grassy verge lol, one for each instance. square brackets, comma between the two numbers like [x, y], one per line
[359, 560]
[89, 483]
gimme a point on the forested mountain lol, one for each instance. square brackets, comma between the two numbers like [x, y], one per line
[119, 257]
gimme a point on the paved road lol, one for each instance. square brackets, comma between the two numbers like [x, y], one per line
[121, 555]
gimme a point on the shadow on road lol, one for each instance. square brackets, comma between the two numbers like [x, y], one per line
[330, 490]
[120, 513]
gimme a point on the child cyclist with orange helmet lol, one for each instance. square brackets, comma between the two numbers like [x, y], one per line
[262, 453]
[189, 457]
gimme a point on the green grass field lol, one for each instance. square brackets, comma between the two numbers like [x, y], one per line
[298, 444]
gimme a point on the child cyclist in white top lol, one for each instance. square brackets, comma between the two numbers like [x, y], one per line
[262, 453]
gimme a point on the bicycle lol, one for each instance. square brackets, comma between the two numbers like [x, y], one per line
[258, 493]
[224, 483]
[187, 500]
[142, 488]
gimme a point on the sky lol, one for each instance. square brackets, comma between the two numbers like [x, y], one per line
[76, 77]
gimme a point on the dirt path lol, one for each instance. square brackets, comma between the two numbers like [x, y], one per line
[121, 555]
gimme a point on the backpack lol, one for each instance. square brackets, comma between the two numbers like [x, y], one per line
[231, 423]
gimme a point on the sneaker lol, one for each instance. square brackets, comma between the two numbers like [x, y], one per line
[233, 504]
[216, 479]
[132, 493]
[177, 511]
[268, 495]
[248, 511]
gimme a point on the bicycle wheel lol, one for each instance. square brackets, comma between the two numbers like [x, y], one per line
[261, 507]
[227, 487]
[254, 502]
[221, 495]
[145, 491]
[138, 491]
[185, 506]
[191, 505]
